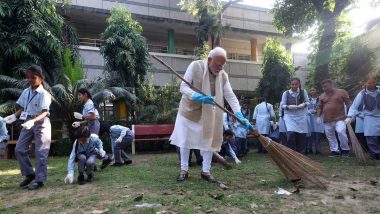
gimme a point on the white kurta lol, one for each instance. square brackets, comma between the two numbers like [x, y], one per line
[189, 134]
[262, 114]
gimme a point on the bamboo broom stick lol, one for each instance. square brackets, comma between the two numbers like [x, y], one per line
[356, 147]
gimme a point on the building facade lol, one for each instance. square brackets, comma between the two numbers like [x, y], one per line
[170, 35]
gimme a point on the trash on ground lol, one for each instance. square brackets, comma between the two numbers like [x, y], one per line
[281, 191]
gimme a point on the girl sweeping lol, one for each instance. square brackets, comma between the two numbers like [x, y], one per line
[89, 113]
[369, 98]
[34, 104]
[294, 102]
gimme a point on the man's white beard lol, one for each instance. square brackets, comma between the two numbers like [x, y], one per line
[213, 71]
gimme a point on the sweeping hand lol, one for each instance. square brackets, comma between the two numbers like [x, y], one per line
[69, 179]
[202, 99]
[348, 120]
[28, 124]
[10, 119]
[246, 124]
[102, 153]
[75, 124]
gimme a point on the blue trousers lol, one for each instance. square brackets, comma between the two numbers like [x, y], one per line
[41, 134]
[373, 144]
[314, 139]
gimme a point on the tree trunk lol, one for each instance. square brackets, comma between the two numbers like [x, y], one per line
[324, 50]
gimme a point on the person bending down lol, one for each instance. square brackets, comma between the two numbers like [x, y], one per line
[85, 149]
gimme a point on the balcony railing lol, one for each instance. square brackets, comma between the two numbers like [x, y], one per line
[164, 49]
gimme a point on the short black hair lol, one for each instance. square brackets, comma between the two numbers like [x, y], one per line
[327, 81]
[262, 99]
[82, 131]
[85, 91]
[228, 132]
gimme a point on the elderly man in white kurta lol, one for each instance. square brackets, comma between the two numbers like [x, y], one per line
[199, 125]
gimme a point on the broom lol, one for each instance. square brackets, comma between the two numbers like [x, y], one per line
[294, 165]
[358, 149]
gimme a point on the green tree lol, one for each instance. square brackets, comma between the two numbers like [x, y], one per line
[209, 14]
[124, 49]
[297, 16]
[357, 62]
[32, 32]
[158, 104]
[277, 68]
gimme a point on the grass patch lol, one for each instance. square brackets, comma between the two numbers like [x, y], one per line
[251, 188]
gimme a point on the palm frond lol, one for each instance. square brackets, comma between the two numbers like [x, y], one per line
[14, 92]
[123, 93]
[7, 107]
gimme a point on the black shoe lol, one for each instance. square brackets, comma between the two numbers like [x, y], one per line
[105, 163]
[127, 162]
[117, 164]
[345, 153]
[28, 179]
[334, 154]
[81, 179]
[90, 177]
[182, 176]
[95, 168]
[36, 185]
[208, 178]
[318, 153]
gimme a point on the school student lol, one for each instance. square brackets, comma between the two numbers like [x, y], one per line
[294, 102]
[85, 149]
[316, 129]
[369, 98]
[34, 104]
[226, 148]
[262, 116]
[89, 113]
[121, 137]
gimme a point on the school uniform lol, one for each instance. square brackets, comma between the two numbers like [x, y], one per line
[295, 120]
[85, 154]
[263, 114]
[315, 128]
[127, 136]
[3, 131]
[33, 104]
[371, 122]
[240, 138]
[93, 125]
[3, 134]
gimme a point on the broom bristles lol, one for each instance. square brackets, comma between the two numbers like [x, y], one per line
[356, 146]
[294, 165]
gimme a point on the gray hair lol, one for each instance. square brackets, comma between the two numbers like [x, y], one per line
[218, 51]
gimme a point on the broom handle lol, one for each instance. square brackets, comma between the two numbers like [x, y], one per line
[194, 88]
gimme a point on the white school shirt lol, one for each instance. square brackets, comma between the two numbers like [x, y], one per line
[88, 108]
[34, 102]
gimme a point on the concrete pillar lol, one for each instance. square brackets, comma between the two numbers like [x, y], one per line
[171, 45]
[254, 50]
